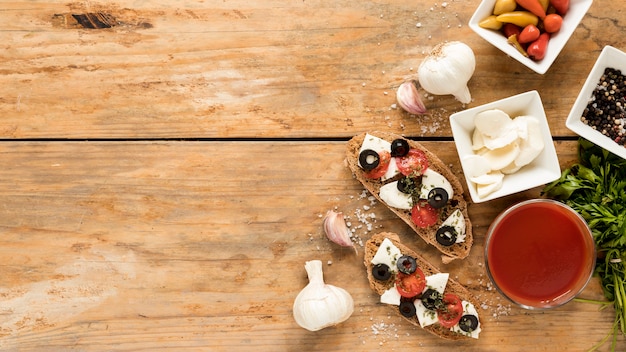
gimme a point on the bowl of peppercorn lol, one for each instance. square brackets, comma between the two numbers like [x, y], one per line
[599, 112]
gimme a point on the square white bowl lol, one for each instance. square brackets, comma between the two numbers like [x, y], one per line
[609, 57]
[544, 169]
[577, 10]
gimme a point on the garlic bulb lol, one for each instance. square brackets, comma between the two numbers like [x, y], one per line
[409, 98]
[319, 305]
[337, 231]
[447, 69]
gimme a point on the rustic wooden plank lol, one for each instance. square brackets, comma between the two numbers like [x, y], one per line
[256, 68]
[201, 246]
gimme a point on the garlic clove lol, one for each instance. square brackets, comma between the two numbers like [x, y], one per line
[463, 95]
[320, 305]
[409, 98]
[337, 231]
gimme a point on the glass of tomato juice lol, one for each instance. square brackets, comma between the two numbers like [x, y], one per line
[540, 253]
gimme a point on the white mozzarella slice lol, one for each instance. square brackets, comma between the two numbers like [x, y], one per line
[477, 139]
[475, 165]
[456, 220]
[531, 146]
[502, 157]
[468, 309]
[437, 281]
[387, 254]
[432, 179]
[425, 316]
[510, 169]
[379, 145]
[391, 296]
[390, 194]
[493, 123]
[521, 124]
[502, 140]
[392, 170]
[487, 189]
[374, 143]
[488, 178]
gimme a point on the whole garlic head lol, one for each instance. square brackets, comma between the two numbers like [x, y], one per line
[447, 69]
[320, 305]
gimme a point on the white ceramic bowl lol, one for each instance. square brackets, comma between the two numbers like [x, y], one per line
[577, 10]
[543, 169]
[609, 57]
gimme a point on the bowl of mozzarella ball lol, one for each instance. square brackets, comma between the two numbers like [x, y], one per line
[505, 147]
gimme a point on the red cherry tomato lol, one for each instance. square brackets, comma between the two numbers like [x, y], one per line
[537, 49]
[509, 29]
[424, 215]
[381, 169]
[451, 311]
[529, 34]
[411, 285]
[414, 163]
[561, 6]
[552, 23]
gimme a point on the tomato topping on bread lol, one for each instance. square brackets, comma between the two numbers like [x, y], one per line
[417, 186]
[419, 292]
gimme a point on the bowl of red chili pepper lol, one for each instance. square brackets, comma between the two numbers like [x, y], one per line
[599, 112]
[532, 32]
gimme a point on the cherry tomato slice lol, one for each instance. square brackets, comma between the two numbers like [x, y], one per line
[381, 169]
[411, 285]
[451, 312]
[413, 164]
[424, 215]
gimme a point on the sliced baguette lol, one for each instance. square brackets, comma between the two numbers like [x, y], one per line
[371, 247]
[455, 251]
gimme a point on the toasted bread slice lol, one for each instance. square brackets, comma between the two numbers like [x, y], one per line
[371, 247]
[428, 234]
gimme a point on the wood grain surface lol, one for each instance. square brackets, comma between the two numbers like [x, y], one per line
[147, 246]
[211, 69]
[166, 166]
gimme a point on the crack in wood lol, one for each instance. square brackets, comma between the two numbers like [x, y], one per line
[93, 20]
[96, 20]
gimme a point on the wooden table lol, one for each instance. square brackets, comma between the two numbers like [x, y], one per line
[164, 179]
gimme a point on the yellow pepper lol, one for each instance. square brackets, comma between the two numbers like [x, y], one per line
[513, 41]
[490, 23]
[519, 18]
[504, 6]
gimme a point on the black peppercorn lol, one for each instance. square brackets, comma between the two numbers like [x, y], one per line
[605, 109]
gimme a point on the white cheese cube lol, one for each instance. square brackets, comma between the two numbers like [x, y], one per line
[456, 220]
[437, 282]
[391, 296]
[378, 145]
[390, 194]
[387, 254]
[468, 308]
[425, 316]
[432, 179]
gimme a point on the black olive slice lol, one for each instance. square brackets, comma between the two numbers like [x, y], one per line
[468, 323]
[446, 235]
[399, 147]
[432, 299]
[406, 264]
[437, 197]
[369, 159]
[407, 184]
[381, 272]
[407, 309]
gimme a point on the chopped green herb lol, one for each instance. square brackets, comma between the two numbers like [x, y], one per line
[596, 188]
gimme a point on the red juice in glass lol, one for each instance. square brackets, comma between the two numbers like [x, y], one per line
[540, 253]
